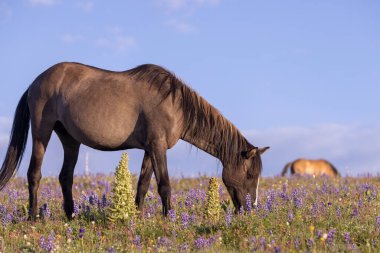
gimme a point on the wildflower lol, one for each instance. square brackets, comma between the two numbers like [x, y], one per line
[290, 217]
[172, 215]
[347, 238]
[310, 242]
[183, 247]
[355, 212]
[202, 242]
[338, 212]
[76, 209]
[212, 211]
[164, 242]
[297, 202]
[297, 243]
[323, 237]
[137, 241]
[104, 201]
[378, 221]
[228, 216]
[81, 232]
[311, 229]
[123, 204]
[331, 236]
[93, 199]
[248, 202]
[263, 243]
[47, 244]
[185, 219]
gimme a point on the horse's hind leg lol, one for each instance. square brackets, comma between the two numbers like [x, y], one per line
[144, 180]
[41, 139]
[71, 151]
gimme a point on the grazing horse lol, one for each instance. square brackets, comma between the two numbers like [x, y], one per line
[146, 107]
[310, 167]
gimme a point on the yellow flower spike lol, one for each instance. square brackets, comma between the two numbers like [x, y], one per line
[123, 202]
[212, 211]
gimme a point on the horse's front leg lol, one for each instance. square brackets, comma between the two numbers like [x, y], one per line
[159, 162]
[144, 181]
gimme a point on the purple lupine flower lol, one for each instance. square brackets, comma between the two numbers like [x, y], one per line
[81, 232]
[361, 203]
[310, 242]
[314, 209]
[331, 236]
[253, 243]
[185, 219]
[137, 241]
[269, 205]
[69, 233]
[284, 196]
[47, 244]
[325, 187]
[355, 212]
[297, 243]
[93, 199]
[338, 212]
[248, 202]
[228, 216]
[378, 221]
[319, 233]
[263, 244]
[183, 247]
[6, 218]
[200, 242]
[163, 242]
[104, 201]
[111, 250]
[76, 209]
[347, 238]
[297, 202]
[172, 215]
[290, 217]
[284, 187]
[220, 189]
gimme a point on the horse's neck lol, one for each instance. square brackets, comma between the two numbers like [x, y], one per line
[206, 145]
[209, 144]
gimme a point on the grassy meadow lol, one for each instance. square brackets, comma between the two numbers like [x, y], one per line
[303, 214]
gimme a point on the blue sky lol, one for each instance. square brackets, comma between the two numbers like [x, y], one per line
[300, 76]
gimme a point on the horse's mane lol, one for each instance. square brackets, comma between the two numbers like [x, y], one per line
[201, 120]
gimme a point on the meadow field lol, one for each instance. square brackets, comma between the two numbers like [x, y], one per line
[299, 214]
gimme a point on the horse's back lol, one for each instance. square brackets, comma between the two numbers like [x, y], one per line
[313, 167]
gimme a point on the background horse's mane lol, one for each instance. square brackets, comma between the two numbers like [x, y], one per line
[202, 121]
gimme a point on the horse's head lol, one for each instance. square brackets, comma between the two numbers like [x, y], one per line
[243, 179]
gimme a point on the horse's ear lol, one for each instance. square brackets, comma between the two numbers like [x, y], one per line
[250, 153]
[262, 150]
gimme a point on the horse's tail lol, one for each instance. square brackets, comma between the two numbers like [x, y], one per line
[17, 141]
[285, 169]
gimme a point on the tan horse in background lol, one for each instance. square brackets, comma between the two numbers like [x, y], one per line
[311, 167]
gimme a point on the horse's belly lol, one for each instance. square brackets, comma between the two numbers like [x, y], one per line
[103, 129]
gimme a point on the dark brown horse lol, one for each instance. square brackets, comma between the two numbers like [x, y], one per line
[146, 108]
[311, 167]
